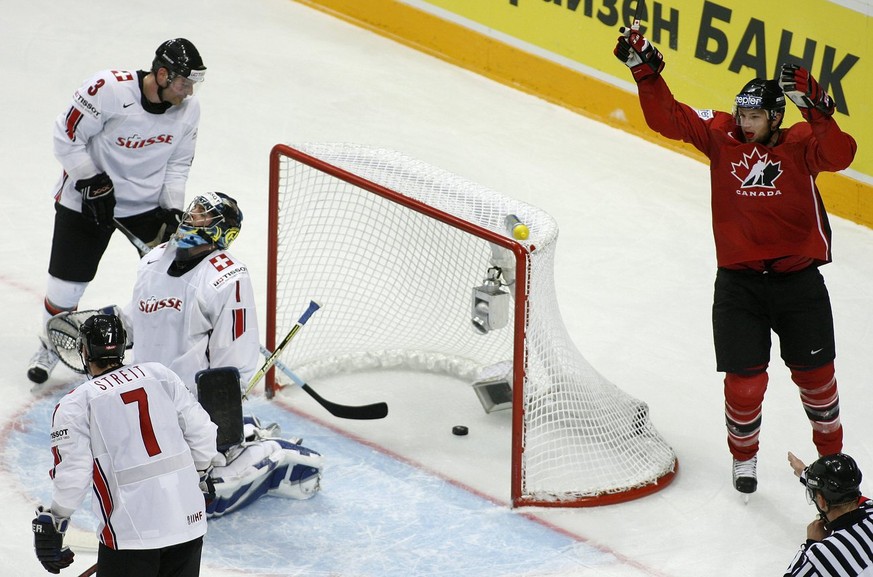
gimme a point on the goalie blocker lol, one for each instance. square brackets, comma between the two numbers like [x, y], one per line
[218, 391]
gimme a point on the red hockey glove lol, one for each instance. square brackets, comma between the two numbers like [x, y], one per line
[638, 54]
[98, 198]
[799, 85]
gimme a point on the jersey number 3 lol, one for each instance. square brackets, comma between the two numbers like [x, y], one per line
[149, 440]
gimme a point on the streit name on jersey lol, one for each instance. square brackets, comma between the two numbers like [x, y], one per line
[118, 377]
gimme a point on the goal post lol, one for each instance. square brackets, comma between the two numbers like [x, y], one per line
[419, 269]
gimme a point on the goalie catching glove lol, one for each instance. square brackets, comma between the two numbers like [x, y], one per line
[638, 54]
[48, 540]
[803, 90]
[98, 198]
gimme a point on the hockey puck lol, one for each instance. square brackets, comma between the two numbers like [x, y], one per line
[460, 430]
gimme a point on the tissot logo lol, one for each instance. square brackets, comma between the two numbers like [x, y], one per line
[757, 171]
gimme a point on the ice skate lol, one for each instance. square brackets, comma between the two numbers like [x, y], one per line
[745, 475]
[42, 363]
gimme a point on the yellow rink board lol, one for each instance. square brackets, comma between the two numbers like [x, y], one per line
[561, 50]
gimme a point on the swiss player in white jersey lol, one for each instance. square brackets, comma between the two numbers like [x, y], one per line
[194, 313]
[192, 309]
[126, 143]
[137, 437]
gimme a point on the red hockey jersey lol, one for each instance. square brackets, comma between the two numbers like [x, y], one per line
[765, 203]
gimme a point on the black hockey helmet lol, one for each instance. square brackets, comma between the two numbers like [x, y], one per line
[836, 477]
[761, 94]
[181, 58]
[102, 338]
[211, 218]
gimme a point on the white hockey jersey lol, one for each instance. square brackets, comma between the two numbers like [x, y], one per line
[137, 436]
[145, 148]
[205, 318]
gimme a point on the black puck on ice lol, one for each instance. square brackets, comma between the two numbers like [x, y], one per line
[460, 430]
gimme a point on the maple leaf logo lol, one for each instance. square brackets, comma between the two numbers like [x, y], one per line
[756, 170]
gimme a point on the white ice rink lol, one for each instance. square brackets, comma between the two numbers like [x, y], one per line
[635, 267]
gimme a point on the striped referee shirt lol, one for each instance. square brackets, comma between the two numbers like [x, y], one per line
[846, 552]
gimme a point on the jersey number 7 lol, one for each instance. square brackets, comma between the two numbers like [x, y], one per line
[149, 440]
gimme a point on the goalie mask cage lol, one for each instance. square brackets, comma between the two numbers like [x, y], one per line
[394, 249]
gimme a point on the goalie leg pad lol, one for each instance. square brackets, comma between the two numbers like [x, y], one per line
[275, 467]
[242, 480]
[298, 471]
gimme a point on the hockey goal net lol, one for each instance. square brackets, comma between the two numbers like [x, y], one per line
[417, 269]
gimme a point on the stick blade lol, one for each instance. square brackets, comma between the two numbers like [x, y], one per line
[359, 412]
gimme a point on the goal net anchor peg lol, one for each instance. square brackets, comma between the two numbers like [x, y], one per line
[495, 394]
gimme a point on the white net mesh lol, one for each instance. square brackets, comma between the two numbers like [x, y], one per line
[397, 285]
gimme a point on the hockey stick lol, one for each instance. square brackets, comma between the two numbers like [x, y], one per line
[89, 571]
[636, 25]
[360, 412]
[313, 306]
[142, 247]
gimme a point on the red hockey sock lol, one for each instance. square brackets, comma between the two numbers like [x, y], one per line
[821, 401]
[743, 396]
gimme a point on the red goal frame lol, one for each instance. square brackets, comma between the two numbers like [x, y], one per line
[521, 306]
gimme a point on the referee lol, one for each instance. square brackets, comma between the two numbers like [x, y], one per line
[840, 541]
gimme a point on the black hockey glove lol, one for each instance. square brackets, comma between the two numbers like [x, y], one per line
[169, 219]
[98, 198]
[803, 90]
[207, 486]
[48, 540]
[638, 54]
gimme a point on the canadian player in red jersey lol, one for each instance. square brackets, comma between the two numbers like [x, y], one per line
[771, 236]
[126, 143]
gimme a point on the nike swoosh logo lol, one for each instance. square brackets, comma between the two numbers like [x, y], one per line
[157, 259]
[126, 105]
[816, 351]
